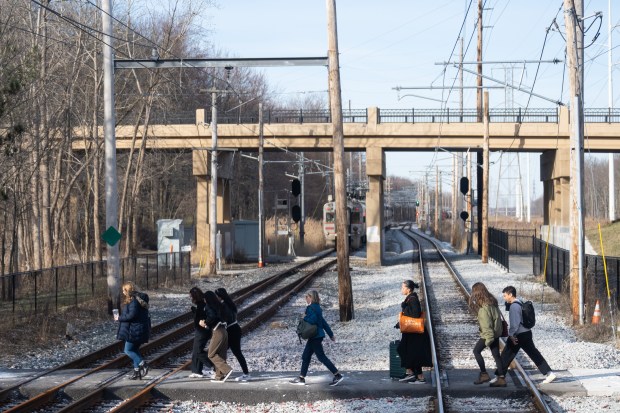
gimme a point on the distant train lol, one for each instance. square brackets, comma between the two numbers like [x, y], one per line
[356, 222]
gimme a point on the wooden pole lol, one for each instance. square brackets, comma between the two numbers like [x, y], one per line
[485, 182]
[479, 54]
[345, 291]
[436, 226]
[573, 11]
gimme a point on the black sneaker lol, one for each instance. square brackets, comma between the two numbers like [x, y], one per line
[144, 368]
[337, 379]
[407, 377]
[301, 381]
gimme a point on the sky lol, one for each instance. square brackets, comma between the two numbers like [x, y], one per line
[393, 43]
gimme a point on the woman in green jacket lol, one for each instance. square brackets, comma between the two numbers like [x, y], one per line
[484, 305]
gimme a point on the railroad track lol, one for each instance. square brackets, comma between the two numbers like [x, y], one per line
[174, 339]
[454, 332]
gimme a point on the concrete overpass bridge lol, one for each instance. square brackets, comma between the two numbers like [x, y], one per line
[375, 131]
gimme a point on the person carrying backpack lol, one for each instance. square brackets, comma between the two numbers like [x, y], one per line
[520, 336]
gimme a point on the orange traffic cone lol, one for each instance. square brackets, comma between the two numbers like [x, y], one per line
[596, 317]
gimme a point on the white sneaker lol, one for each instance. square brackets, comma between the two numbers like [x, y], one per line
[493, 380]
[210, 374]
[549, 377]
[195, 376]
[243, 377]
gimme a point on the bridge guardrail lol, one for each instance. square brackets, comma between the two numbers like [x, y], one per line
[447, 115]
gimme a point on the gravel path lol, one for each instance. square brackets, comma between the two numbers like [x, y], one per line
[362, 343]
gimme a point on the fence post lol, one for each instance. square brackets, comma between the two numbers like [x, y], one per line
[92, 277]
[75, 282]
[35, 292]
[13, 294]
[147, 269]
[135, 269]
[56, 294]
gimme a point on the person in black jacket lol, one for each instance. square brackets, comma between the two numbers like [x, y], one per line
[218, 346]
[201, 335]
[234, 332]
[414, 349]
[134, 327]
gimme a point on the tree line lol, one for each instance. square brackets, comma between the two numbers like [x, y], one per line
[52, 209]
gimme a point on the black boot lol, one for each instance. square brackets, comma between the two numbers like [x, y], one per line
[136, 375]
[144, 368]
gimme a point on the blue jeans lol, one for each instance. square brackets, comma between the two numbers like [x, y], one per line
[133, 351]
[315, 346]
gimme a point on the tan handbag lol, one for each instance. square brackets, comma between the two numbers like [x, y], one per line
[410, 324]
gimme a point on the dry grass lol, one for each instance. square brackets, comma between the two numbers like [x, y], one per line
[50, 329]
[314, 240]
[611, 237]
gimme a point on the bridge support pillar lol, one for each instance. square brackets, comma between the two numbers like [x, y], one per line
[555, 175]
[201, 170]
[375, 168]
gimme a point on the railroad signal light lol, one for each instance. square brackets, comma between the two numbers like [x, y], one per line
[464, 185]
[295, 187]
[296, 213]
[417, 203]
[464, 215]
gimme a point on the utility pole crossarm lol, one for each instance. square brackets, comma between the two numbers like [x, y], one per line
[219, 62]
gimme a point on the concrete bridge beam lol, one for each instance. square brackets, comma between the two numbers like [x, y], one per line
[375, 168]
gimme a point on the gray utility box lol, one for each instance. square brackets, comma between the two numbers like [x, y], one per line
[170, 234]
[239, 240]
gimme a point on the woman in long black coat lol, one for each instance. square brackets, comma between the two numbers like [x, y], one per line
[414, 349]
[201, 336]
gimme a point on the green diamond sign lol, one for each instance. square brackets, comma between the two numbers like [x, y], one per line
[111, 236]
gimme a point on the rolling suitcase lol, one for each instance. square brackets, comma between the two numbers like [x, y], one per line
[396, 371]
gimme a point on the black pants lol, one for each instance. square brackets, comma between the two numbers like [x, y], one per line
[525, 342]
[234, 344]
[199, 356]
[494, 347]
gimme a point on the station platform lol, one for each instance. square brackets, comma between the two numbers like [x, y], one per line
[266, 387]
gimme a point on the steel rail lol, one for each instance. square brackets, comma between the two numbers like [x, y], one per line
[145, 394]
[47, 396]
[439, 401]
[540, 403]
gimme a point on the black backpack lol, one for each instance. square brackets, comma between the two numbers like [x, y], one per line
[527, 313]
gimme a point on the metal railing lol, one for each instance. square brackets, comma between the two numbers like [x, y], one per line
[498, 247]
[51, 289]
[413, 115]
[558, 272]
[519, 240]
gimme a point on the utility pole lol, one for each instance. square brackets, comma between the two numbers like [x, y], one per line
[485, 182]
[528, 196]
[345, 291]
[574, 50]
[261, 214]
[454, 194]
[610, 99]
[479, 54]
[213, 190]
[436, 229]
[470, 194]
[302, 199]
[111, 189]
